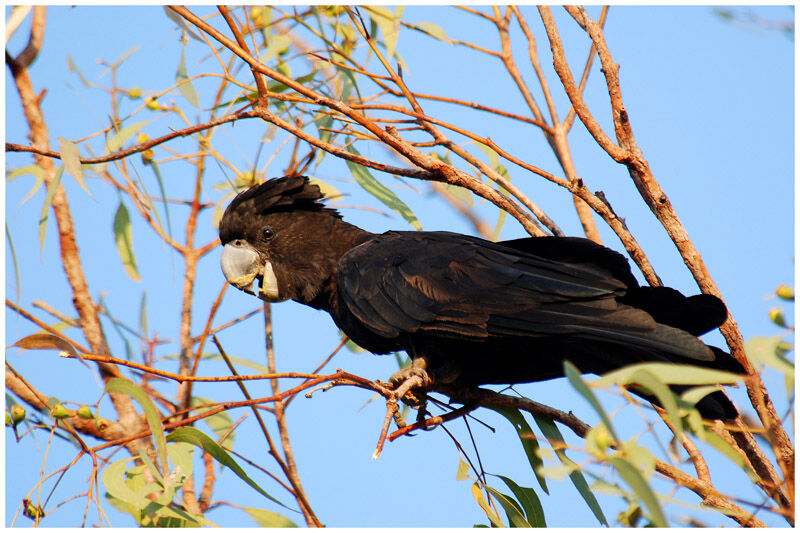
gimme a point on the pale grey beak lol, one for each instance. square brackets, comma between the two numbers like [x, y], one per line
[242, 266]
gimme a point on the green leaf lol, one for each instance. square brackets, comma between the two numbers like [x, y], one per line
[463, 469]
[73, 68]
[14, 262]
[641, 488]
[501, 219]
[125, 56]
[526, 437]
[277, 44]
[51, 190]
[434, 30]
[160, 181]
[143, 315]
[71, 156]
[478, 495]
[266, 518]
[768, 351]
[184, 84]
[177, 19]
[123, 235]
[671, 373]
[113, 479]
[529, 500]
[553, 435]
[379, 191]
[512, 508]
[122, 136]
[574, 377]
[220, 423]
[182, 456]
[651, 383]
[34, 170]
[198, 438]
[125, 386]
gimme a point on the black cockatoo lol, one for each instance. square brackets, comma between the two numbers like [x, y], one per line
[466, 310]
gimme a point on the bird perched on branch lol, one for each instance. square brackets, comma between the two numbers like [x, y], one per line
[466, 310]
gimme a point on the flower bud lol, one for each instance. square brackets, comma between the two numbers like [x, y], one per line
[784, 292]
[134, 92]
[17, 414]
[59, 411]
[777, 316]
[85, 412]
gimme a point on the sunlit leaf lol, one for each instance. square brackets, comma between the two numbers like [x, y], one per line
[767, 350]
[381, 192]
[198, 438]
[143, 315]
[182, 79]
[45, 341]
[177, 19]
[123, 235]
[71, 156]
[51, 191]
[671, 373]
[14, 262]
[526, 437]
[153, 417]
[434, 30]
[266, 518]
[574, 377]
[220, 423]
[122, 136]
[512, 508]
[641, 488]
[478, 495]
[160, 181]
[553, 435]
[73, 68]
[463, 470]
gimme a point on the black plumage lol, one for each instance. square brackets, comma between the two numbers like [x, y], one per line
[467, 311]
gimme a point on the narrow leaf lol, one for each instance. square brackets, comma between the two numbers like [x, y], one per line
[177, 19]
[198, 438]
[512, 508]
[553, 435]
[14, 262]
[122, 136]
[143, 315]
[767, 350]
[266, 518]
[526, 437]
[125, 386]
[123, 235]
[671, 373]
[182, 79]
[478, 495]
[574, 377]
[640, 487]
[160, 181]
[71, 156]
[434, 30]
[463, 469]
[529, 501]
[220, 423]
[45, 341]
[379, 191]
[51, 190]
[73, 68]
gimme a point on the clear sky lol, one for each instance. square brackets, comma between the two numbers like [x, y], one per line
[711, 102]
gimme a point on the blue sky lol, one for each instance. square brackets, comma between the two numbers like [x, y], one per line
[711, 103]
